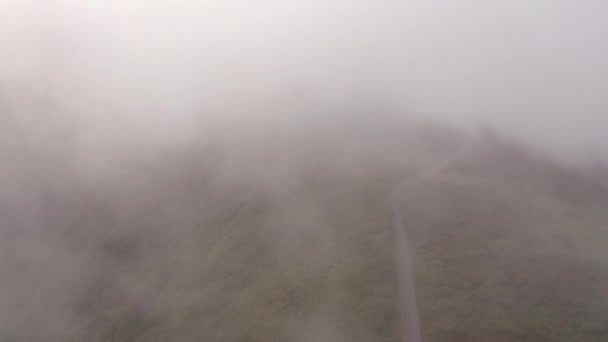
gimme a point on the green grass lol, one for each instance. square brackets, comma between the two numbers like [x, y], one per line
[288, 237]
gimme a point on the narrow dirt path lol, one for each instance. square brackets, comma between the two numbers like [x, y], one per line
[403, 254]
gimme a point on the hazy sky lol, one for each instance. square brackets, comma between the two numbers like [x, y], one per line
[536, 68]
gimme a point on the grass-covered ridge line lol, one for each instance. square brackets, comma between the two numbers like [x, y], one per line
[284, 233]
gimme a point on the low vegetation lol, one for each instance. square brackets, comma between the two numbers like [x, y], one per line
[287, 236]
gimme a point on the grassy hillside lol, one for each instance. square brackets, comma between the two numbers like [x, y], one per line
[283, 233]
[511, 247]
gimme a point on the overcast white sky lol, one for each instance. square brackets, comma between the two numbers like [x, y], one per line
[535, 67]
[538, 67]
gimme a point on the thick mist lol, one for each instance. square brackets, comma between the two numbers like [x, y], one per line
[152, 68]
[536, 69]
[223, 170]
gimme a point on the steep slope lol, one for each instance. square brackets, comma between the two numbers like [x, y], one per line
[284, 233]
[511, 247]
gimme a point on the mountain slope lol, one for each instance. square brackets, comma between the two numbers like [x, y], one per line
[283, 233]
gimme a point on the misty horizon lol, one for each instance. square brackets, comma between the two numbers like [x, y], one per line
[535, 70]
[303, 170]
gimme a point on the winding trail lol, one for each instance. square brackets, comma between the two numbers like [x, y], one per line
[403, 254]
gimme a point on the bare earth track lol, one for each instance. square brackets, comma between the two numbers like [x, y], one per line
[403, 255]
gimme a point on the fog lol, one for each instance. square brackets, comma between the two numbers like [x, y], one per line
[536, 69]
[223, 169]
